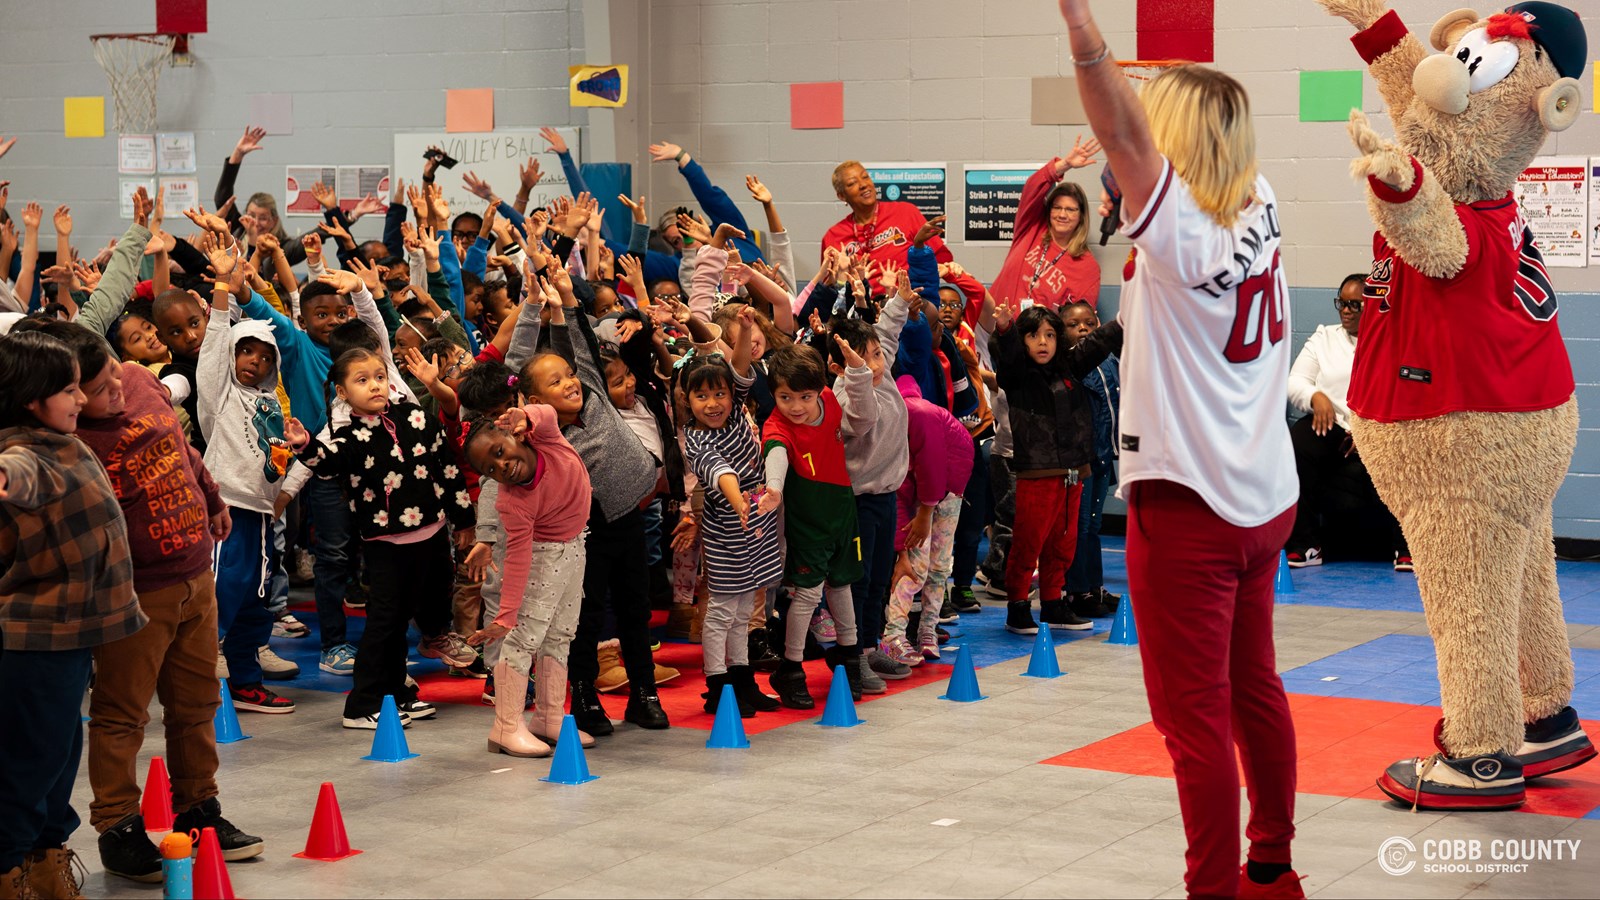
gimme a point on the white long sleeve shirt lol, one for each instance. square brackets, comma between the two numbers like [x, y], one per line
[1324, 365]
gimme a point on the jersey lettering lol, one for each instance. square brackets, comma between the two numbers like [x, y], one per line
[1378, 281]
[1532, 283]
[1258, 320]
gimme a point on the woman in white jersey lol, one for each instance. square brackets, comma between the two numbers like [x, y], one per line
[1207, 467]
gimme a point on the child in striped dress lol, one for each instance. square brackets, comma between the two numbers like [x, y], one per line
[739, 529]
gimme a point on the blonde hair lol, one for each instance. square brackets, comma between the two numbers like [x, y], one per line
[1200, 120]
[840, 169]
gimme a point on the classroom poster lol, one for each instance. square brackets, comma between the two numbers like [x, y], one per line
[1594, 211]
[175, 153]
[355, 182]
[495, 156]
[922, 184]
[136, 154]
[989, 199]
[297, 197]
[1553, 197]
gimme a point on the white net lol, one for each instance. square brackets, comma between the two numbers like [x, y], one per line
[1142, 71]
[132, 63]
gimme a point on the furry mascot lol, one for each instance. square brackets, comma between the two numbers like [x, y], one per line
[1462, 389]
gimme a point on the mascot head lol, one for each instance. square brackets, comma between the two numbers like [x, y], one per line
[1483, 107]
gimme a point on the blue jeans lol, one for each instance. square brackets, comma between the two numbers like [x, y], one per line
[245, 562]
[1086, 573]
[278, 597]
[652, 532]
[876, 518]
[977, 511]
[330, 522]
[41, 692]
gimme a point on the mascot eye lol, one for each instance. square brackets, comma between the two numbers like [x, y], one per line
[1488, 62]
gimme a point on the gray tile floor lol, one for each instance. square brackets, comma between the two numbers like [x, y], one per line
[809, 812]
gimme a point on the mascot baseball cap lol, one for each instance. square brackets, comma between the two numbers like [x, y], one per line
[1559, 31]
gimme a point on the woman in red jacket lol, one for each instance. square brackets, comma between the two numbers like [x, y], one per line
[1049, 262]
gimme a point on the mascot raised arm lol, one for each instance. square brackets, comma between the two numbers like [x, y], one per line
[1462, 391]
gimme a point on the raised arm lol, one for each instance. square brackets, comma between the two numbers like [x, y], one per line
[116, 285]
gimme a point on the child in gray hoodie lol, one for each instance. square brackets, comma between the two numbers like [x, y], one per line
[242, 421]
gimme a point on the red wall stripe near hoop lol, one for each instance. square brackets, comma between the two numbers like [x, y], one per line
[181, 16]
[1177, 29]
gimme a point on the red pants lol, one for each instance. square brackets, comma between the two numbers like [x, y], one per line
[1044, 533]
[1201, 590]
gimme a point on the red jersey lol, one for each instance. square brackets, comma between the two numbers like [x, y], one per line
[1485, 340]
[1036, 269]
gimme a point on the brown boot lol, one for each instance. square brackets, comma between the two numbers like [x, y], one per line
[509, 735]
[54, 875]
[680, 623]
[613, 677]
[14, 885]
[699, 619]
[551, 688]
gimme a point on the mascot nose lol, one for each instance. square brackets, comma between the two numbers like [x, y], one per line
[1442, 82]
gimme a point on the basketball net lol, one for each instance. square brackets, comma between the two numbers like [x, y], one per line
[1143, 71]
[132, 63]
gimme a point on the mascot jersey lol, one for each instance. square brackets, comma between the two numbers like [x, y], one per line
[1483, 341]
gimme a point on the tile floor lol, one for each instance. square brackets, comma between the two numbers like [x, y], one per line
[927, 799]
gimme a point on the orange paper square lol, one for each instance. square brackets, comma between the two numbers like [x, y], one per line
[469, 109]
[816, 105]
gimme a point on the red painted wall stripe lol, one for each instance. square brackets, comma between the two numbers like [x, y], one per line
[1177, 29]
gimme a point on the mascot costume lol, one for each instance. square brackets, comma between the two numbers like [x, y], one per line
[1462, 389]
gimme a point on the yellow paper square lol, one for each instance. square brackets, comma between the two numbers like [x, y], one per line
[84, 116]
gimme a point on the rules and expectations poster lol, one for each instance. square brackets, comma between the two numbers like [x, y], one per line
[989, 200]
[922, 184]
[1594, 211]
[1553, 196]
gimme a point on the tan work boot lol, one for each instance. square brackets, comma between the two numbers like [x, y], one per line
[551, 681]
[509, 734]
[613, 677]
[681, 621]
[14, 885]
[54, 875]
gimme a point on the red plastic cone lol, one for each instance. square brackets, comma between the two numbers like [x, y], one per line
[327, 840]
[156, 805]
[211, 880]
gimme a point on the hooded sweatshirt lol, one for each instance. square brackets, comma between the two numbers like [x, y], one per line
[243, 426]
[941, 455]
[877, 456]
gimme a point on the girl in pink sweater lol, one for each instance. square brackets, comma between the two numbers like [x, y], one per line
[929, 507]
[543, 503]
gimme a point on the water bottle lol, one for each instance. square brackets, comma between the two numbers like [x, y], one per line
[177, 866]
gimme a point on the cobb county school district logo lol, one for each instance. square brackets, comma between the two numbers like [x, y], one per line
[1397, 855]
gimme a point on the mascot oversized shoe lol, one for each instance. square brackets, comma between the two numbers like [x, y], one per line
[1487, 782]
[1552, 744]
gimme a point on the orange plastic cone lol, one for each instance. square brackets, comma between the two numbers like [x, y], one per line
[156, 805]
[211, 880]
[327, 840]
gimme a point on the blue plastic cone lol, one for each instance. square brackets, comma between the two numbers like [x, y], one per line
[226, 721]
[1283, 583]
[963, 687]
[840, 711]
[1043, 662]
[1123, 629]
[389, 741]
[568, 766]
[727, 732]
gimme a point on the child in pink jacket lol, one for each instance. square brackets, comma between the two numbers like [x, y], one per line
[930, 506]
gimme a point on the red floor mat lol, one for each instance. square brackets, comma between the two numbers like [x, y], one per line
[1344, 745]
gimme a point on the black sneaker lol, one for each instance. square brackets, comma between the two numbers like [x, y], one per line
[1089, 605]
[127, 852]
[235, 844]
[947, 612]
[1059, 614]
[1019, 618]
[962, 600]
[418, 709]
[256, 698]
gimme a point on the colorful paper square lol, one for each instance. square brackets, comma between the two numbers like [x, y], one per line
[469, 109]
[1328, 96]
[84, 117]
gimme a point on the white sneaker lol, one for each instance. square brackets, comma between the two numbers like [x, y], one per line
[290, 627]
[370, 722]
[222, 667]
[275, 667]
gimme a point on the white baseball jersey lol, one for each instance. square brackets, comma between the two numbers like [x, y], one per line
[1205, 359]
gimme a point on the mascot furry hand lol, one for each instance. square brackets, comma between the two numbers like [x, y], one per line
[1462, 389]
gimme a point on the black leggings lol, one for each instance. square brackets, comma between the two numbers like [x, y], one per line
[615, 569]
[403, 578]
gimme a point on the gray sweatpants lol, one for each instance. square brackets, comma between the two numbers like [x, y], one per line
[724, 636]
[548, 617]
[802, 603]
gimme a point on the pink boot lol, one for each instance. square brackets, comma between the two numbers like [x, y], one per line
[510, 735]
[550, 679]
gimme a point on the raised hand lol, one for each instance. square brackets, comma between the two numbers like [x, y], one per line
[428, 238]
[950, 270]
[338, 233]
[222, 262]
[694, 228]
[582, 210]
[250, 142]
[1380, 157]
[368, 205]
[160, 242]
[419, 202]
[400, 191]
[558, 144]
[342, 281]
[324, 195]
[63, 220]
[1081, 155]
[1002, 317]
[513, 421]
[313, 244]
[209, 221]
[86, 275]
[477, 186]
[426, 368]
[6, 145]
[437, 205]
[725, 231]
[159, 213]
[665, 152]
[529, 173]
[930, 229]
[758, 191]
[32, 215]
[295, 434]
[852, 359]
[370, 276]
[815, 322]
[889, 276]
[634, 206]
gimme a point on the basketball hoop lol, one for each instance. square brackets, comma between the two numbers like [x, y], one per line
[132, 63]
[1143, 71]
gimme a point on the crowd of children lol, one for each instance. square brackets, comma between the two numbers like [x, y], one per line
[519, 436]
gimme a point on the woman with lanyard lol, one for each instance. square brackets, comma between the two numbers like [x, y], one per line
[1049, 262]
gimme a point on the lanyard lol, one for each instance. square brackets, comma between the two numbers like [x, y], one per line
[1040, 266]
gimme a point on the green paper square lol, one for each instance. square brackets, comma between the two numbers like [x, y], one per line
[1329, 96]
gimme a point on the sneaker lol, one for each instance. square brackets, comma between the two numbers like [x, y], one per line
[885, 667]
[275, 667]
[127, 851]
[235, 844]
[944, 636]
[665, 674]
[288, 626]
[355, 595]
[928, 646]
[449, 648]
[339, 660]
[1284, 887]
[962, 601]
[1300, 559]
[256, 698]
[1019, 618]
[476, 670]
[1402, 562]
[823, 627]
[1552, 744]
[994, 586]
[369, 722]
[870, 682]
[418, 709]
[1089, 605]
[898, 649]
[488, 690]
[1486, 782]
[222, 667]
[302, 573]
[947, 612]
[1059, 614]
